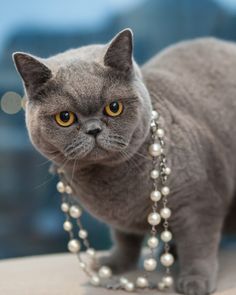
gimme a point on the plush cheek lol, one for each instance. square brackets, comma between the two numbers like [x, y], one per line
[59, 137]
[41, 134]
[126, 126]
[32, 125]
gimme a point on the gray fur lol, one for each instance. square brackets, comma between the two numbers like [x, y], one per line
[193, 86]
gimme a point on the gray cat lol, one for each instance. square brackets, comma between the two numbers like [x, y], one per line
[89, 110]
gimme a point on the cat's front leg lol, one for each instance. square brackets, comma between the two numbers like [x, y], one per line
[197, 235]
[125, 253]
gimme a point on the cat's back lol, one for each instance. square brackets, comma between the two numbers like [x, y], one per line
[195, 55]
[199, 79]
[201, 66]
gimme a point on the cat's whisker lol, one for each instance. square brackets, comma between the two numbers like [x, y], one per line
[64, 164]
[74, 150]
[142, 156]
[47, 161]
[44, 183]
[69, 148]
[116, 137]
[114, 143]
[73, 171]
[131, 164]
[51, 177]
[131, 161]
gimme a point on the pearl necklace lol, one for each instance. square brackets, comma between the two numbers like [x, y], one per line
[159, 175]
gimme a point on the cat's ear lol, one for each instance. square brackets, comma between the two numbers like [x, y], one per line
[33, 72]
[120, 51]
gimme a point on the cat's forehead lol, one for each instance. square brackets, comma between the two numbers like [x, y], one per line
[81, 84]
[85, 87]
[80, 73]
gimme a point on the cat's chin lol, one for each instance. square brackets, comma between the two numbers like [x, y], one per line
[97, 153]
[100, 155]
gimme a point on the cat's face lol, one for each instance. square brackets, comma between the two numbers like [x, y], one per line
[89, 104]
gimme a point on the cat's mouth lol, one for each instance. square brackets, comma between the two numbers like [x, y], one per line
[95, 148]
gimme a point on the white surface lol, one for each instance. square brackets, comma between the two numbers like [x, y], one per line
[60, 274]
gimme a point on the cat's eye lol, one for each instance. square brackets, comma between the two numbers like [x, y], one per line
[114, 109]
[65, 118]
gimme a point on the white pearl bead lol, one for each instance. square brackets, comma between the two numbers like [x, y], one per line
[91, 252]
[154, 174]
[105, 272]
[155, 149]
[166, 236]
[94, 280]
[150, 264]
[154, 218]
[167, 171]
[165, 213]
[65, 207]
[60, 187]
[74, 246]
[152, 242]
[165, 191]
[155, 115]
[161, 286]
[160, 132]
[153, 126]
[142, 282]
[167, 259]
[168, 281]
[75, 211]
[83, 234]
[82, 265]
[68, 190]
[123, 281]
[67, 225]
[155, 196]
[129, 287]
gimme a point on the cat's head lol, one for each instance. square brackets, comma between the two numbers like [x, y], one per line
[88, 104]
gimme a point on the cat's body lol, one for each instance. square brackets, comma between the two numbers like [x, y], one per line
[193, 87]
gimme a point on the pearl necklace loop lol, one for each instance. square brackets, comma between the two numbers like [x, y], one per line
[160, 192]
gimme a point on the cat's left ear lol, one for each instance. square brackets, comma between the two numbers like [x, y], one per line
[33, 72]
[120, 51]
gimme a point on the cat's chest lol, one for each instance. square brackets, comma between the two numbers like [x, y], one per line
[117, 196]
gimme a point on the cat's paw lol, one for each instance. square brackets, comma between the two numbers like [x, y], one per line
[115, 262]
[194, 285]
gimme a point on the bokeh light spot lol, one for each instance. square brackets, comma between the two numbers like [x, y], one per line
[11, 102]
[23, 102]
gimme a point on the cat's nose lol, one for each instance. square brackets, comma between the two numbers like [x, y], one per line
[93, 127]
[94, 131]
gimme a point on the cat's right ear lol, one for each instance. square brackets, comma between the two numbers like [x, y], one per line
[119, 53]
[33, 72]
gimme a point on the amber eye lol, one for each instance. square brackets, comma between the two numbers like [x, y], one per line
[114, 109]
[65, 118]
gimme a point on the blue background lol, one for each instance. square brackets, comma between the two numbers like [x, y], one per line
[30, 219]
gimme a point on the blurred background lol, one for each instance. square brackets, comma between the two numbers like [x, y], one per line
[30, 219]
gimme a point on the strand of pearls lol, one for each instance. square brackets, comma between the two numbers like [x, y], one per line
[73, 213]
[159, 175]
